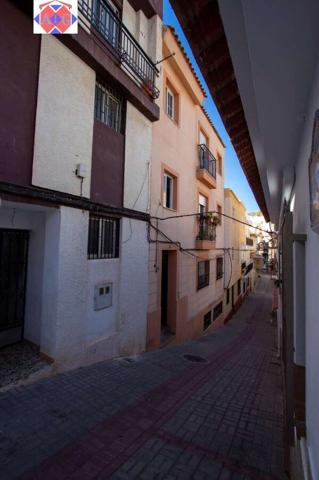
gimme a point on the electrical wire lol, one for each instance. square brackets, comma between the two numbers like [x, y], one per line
[212, 212]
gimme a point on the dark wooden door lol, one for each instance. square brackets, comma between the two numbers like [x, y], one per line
[13, 268]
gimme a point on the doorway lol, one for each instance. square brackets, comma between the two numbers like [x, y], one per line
[168, 292]
[232, 297]
[13, 268]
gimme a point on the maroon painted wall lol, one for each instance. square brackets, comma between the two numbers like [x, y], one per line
[107, 181]
[19, 60]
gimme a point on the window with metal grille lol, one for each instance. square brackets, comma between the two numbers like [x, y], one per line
[203, 274]
[108, 107]
[219, 268]
[218, 310]
[207, 319]
[103, 239]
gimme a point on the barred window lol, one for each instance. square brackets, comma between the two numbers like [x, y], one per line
[108, 107]
[203, 274]
[207, 319]
[227, 296]
[218, 310]
[103, 239]
[219, 268]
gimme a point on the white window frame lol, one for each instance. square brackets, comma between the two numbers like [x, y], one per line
[168, 202]
[202, 201]
[203, 140]
[170, 109]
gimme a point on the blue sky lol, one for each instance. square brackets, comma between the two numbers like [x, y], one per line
[234, 176]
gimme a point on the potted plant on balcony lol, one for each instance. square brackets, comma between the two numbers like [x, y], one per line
[215, 218]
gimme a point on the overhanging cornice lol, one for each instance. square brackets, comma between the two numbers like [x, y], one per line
[203, 27]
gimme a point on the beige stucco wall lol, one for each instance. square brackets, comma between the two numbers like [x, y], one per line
[235, 237]
[64, 119]
[175, 147]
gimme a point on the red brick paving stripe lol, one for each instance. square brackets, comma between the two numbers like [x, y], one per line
[250, 472]
[115, 440]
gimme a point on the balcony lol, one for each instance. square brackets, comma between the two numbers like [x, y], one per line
[121, 43]
[206, 172]
[206, 238]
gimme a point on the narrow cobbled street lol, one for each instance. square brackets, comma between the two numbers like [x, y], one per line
[159, 416]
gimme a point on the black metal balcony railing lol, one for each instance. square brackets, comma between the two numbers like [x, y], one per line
[206, 229]
[122, 43]
[207, 160]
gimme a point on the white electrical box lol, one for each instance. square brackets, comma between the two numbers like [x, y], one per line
[81, 170]
[102, 296]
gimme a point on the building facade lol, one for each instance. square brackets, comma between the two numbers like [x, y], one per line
[187, 178]
[239, 267]
[76, 145]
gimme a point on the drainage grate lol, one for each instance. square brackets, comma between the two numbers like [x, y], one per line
[194, 358]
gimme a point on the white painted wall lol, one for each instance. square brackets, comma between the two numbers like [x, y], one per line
[102, 323]
[302, 226]
[138, 152]
[133, 299]
[64, 119]
[144, 30]
[72, 283]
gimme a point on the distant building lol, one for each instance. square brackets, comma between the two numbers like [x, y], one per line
[187, 178]
[266, 249]
[239, 267]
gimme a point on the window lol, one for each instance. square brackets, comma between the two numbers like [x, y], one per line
[169, 193]
[219, 268]
[207, 319]
[218, 310]
[239, 287]
[170, 104]
[108, 107]
[106, 18]
[203, 274]
[219, 164]
[220, 211]
[227, 296]
[202, 138]
[103, 239]
[202, 203]
[249, 241]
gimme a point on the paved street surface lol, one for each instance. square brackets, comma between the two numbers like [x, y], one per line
[159, 417]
